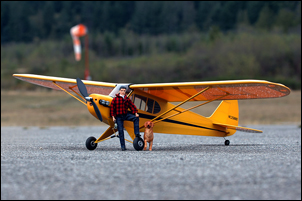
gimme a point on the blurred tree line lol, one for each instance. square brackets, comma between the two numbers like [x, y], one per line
[33, 20]
[146, 42]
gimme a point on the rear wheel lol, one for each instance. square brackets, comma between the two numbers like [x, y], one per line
[138, 144]
[227, 142]
[90, 143]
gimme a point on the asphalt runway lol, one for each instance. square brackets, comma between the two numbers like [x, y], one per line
[53, 163]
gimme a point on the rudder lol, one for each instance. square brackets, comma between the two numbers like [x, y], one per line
[226, 113]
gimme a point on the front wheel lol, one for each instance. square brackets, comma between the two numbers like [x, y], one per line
[138, 144]
[90, 143]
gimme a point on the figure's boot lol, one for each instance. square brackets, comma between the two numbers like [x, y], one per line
[138, 135]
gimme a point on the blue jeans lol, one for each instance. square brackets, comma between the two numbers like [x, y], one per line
[120, 125]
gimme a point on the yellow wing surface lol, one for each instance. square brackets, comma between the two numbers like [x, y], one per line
[66, 83]
[173, 92]
[219, 90]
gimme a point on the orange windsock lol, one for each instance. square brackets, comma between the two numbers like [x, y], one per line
[76, 32]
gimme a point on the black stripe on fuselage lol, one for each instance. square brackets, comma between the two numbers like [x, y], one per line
[146, 116]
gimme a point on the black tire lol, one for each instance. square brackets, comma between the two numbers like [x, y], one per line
[90, 143]
[227, 142]
[138, 144]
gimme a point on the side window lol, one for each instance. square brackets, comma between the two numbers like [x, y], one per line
[150, 104]
[145, 104]
[140, 102]
[156, 108]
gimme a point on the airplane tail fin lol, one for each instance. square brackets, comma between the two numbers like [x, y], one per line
[227, 115]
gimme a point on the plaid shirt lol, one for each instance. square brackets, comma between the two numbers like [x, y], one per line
[120, 105]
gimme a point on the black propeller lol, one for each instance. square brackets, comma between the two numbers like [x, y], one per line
[83, 90]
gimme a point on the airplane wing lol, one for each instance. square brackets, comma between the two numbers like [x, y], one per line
[66, 83]
[219, 90]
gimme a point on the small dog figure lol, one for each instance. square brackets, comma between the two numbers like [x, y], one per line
[148, 134]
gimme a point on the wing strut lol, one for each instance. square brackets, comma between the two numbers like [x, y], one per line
[71, 88]
[179, 112]
[68, 92]
[107, 133]
[180, 104]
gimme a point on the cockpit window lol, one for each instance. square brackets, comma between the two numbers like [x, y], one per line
[140, 102]
[150, 104]
[145, 104]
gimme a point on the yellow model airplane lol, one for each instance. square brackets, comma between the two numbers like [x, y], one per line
[152, 102]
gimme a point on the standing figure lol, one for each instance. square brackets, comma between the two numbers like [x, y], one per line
[119, 112]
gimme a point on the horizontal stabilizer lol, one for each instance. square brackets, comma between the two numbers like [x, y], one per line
[238, 128]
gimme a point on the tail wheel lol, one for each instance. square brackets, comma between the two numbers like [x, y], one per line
[138, 144]
[227, 142]
[90, 143]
